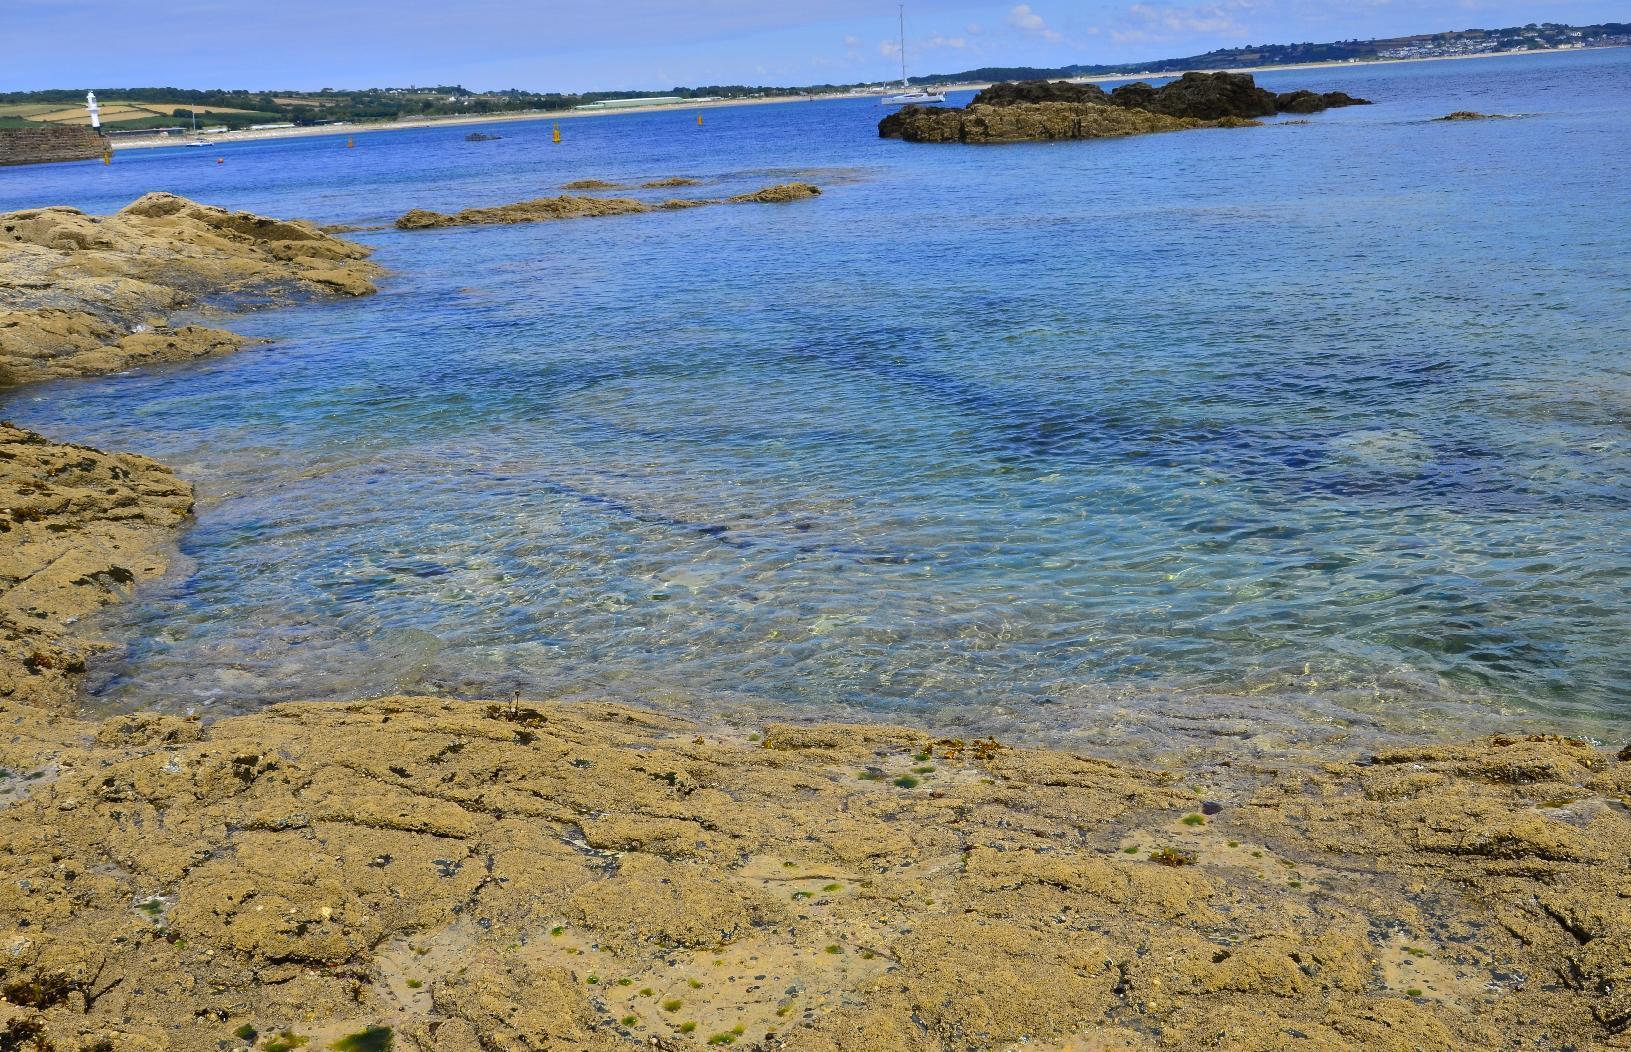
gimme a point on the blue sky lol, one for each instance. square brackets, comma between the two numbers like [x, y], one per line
[607, 44]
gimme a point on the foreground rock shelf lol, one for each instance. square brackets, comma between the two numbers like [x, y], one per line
[478, 876]
[1031, 111]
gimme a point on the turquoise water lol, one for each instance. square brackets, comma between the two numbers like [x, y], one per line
[1317, 425]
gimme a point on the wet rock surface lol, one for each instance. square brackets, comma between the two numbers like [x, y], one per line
[1034, 122]
[82, 295]
[1024, 92]
[570, 206]
[1046, 110]
[1315, 102]
[1203, 96]
[78, 528]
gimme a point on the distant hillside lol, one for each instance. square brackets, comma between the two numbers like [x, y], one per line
[132, 109]
[1547, 36]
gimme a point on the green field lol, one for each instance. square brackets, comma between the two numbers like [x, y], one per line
[127, 114]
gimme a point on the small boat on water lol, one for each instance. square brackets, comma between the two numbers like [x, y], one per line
[196, 140]
[907, 95]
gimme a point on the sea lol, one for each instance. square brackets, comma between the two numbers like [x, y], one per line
[1317, 432]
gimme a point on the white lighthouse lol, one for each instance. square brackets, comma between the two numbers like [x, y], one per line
[95, 111]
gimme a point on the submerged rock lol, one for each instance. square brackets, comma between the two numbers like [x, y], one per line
[1471, 115]
[1043, 110]
[779, 194]
[591, 184]
[83, 294]
[567, 206]
[538, 210]
[481, 137]
[674, 180]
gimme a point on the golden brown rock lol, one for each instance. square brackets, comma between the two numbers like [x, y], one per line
[780, 194]
[538, 210]
[567, 206]
[77, 528]
[596, 877]
[83, 294]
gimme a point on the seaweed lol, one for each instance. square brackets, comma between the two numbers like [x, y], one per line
[287, 1041]
[369, 1039]
[1171, 856]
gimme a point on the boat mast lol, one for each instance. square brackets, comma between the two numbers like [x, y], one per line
[906, 85]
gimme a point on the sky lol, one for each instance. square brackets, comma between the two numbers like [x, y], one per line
[580, 45]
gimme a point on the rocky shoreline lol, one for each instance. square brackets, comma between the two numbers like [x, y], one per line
[426, 874]
[1039, 110]
[83, 295]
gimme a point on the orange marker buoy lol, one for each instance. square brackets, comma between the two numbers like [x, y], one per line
[699, 120]
[350, 143]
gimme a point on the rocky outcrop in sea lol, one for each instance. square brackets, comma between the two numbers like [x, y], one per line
[570, 206]
[1042, 110]
[83, 294]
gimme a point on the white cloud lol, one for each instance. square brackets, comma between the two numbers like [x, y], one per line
[888, 48]
[1154, 22]
[852, 41]
[1023, 18]
[938, 41]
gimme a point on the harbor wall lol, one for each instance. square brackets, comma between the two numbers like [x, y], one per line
[41, 145]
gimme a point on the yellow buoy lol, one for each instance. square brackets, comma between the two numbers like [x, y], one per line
[556, 137]
[699, 120]
[350, 143]
[107, 153]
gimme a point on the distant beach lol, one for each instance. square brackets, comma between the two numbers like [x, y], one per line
[226, 138]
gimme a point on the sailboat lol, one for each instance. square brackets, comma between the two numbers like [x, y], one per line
[196, 140]
[907, 95]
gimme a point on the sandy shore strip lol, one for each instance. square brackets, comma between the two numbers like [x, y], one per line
[227, 138]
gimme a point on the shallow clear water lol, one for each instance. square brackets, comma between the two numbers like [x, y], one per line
[1320, 419]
